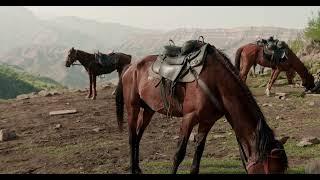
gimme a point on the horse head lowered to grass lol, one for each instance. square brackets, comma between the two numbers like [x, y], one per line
[279, 57]
[199, 83]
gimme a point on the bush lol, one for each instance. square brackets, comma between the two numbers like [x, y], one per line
[296, 45]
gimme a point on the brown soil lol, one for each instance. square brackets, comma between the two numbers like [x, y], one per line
[77, 148]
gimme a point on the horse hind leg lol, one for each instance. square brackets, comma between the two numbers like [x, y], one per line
[90, 87]
[188, 122]
[133, 113]
[144, 119]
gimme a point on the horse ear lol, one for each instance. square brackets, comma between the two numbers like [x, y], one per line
[283, 140]
[72, 48]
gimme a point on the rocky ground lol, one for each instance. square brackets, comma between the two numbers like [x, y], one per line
[88, 141]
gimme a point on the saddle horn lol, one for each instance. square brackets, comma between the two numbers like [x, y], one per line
[202, 39]
[170, 40]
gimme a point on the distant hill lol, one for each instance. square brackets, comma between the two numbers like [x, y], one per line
[40, 46]
[15, 81]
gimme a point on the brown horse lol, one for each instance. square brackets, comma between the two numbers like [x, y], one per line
[250, 54]
[94, 69]
[290, 74]
[229, 96]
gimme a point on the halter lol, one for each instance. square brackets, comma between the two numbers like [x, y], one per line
[265, 163]
[73, 64]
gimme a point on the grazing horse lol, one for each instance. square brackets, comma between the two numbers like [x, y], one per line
[217, 92]
[93, 68]
[251, 54]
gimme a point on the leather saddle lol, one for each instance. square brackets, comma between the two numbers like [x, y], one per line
[105, 60]
[275, 50]
[178, 64]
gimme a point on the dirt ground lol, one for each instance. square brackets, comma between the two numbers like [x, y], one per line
[77, 148]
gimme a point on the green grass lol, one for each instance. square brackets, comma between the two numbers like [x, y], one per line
[15, 81]
[207, 166]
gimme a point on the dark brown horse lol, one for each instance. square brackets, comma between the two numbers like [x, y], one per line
[250, 54]
[94, 69]
[228, 96]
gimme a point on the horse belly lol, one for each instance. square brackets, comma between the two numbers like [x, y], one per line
[150, 94]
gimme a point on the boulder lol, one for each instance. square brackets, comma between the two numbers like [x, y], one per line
[6, 135]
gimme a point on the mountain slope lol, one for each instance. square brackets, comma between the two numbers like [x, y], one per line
[14, 81]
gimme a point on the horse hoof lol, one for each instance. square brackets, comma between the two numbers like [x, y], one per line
[136, 171]
[268, 92]
[93, 98]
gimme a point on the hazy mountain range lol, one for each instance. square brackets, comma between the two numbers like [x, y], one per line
[40, 46]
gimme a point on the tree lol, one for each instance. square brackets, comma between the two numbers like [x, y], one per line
[312, 31]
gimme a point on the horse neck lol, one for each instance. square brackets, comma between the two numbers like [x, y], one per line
[123, 60]
[84, 58]
[297, 65]
[242, 111]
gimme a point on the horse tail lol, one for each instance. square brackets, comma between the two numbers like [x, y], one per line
[237, 59]
[120, 100]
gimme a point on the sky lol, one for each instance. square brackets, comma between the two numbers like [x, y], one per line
[172, 17]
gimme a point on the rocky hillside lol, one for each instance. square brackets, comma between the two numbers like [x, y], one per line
[15, 81]
[227, 39]
[40, 48]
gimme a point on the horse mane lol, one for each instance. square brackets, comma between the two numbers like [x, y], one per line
[264, 134]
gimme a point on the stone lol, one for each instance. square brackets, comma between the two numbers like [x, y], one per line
[23, 96]
[53, 93]
[279, 117]
[45, 93]
[57, 126]
[52, 113]
[308, 141]
[313, 167]
[7, 135]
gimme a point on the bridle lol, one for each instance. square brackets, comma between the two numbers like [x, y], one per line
[73, 63]
[245, 161]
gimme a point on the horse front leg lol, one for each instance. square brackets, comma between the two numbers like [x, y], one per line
[90, 86]
[203, 130]
[94, 79]
[188, 122]
[274, 76]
